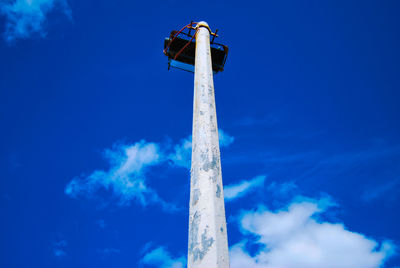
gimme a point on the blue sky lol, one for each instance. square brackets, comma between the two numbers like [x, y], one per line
[95, 133]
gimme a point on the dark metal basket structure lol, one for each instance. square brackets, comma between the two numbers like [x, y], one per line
[180, 47]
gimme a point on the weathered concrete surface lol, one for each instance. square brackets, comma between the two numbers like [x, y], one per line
[208, 244]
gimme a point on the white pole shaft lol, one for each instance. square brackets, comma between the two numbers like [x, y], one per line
[208, 243]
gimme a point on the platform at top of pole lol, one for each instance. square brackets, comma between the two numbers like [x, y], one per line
[180, 48]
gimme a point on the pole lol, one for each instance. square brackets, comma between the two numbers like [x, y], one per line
[208, 243]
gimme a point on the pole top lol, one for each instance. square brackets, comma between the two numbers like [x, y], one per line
[203, 24]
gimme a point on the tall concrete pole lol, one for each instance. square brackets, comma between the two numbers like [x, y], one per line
[208, 243]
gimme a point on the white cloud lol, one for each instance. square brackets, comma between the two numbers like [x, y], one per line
[126, 176]
[26, 17]
[161, 258]
[294, 238]
[224, 138]
[181, 156]
[235, 191]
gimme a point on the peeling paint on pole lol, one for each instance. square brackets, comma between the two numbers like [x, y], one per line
[208, 243]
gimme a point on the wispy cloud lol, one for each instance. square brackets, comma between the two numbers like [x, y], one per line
[224, 138]
[126, 177]
[340, 163]
[392, 186]
[27, 17]
[293, 237]
[181, 156]
[232, 192]
[161, 258]
[304, 168]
